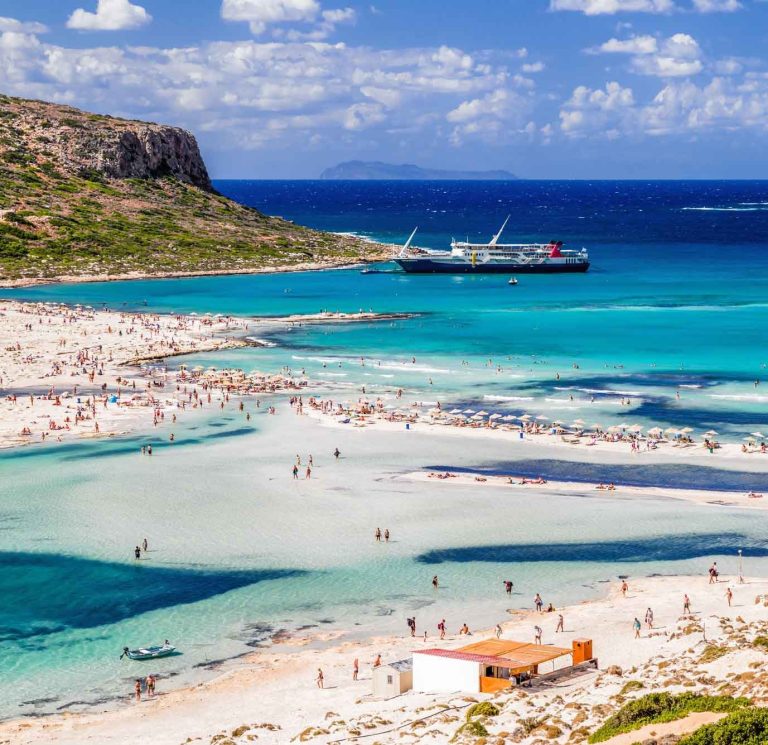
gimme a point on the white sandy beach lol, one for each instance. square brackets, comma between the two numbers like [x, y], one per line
[59, 350]
[251, 698]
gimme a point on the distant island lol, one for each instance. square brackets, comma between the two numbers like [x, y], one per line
[375, 170]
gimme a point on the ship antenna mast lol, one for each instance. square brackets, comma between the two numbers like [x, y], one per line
[407, 244]
[496, 237]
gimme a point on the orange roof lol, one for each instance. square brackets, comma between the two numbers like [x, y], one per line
[518, 654]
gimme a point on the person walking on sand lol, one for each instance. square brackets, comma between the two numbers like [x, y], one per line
[538, 602]
[649, 618]
[150, 685]
[498, 631]
[729, 596]
[537, 632]
[137, 689]
[355, 669]
[624, 588]
[320, 679]
[560, 624]
[441, 628]
[637, 626]
[686, 604]
[308, 473]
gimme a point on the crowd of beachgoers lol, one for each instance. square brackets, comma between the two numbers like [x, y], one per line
[79, 371]
[634, 438]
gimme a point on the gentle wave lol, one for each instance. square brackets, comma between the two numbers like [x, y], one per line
[508, 398]
[598, 390]
[734, 397]
[724, 209]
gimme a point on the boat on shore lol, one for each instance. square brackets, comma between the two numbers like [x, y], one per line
[493, 258]
[149, 653]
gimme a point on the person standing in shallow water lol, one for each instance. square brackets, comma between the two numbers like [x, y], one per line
[386, 535]
[137, 552]
[377, 534]
[435, 582]
[137, 689]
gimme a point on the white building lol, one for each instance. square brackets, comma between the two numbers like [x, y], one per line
[488, 666]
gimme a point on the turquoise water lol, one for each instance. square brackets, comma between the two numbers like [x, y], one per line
[676, 305]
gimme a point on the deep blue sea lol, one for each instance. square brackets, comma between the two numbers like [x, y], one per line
[668, 327]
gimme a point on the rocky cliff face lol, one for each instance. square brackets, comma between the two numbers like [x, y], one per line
[115, 148]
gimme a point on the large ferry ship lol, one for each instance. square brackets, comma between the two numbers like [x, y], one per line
[493, 258]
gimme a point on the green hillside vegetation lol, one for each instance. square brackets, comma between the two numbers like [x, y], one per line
[663, 707]
[63, 218]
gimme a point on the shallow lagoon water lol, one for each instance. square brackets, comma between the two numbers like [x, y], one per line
[675, 304]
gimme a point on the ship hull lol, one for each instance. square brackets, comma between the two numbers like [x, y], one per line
[431, 266]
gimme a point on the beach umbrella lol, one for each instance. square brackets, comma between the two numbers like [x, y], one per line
[711, 433]
[468, 411]
[455, 411]
[686, 430]
[578, 421]
[526, 417]
[542, 418]
[482, 413]
[495, 416]
[636, 428]
[655, 431]
[509, 418]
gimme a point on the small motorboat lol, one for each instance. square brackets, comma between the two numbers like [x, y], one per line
[512, 281]
[149, 653]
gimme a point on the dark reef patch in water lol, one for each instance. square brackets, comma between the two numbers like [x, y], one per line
[661, 548]
[52, 593]
[669, 475]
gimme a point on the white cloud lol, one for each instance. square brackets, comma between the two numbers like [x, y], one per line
[22, 27]
[677, 56]
[717, 6]
[500, 112]
[633, 45]
[596, 111]
[329, 19]
[680, 107]
[110, 15]
[611, 7]
[249, 93]
[533, 67]
[261, 13]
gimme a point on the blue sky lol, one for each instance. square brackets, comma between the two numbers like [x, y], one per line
[544, 88]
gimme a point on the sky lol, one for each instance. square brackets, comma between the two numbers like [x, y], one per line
[544, 88]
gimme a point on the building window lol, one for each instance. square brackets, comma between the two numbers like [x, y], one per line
[389, 680]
